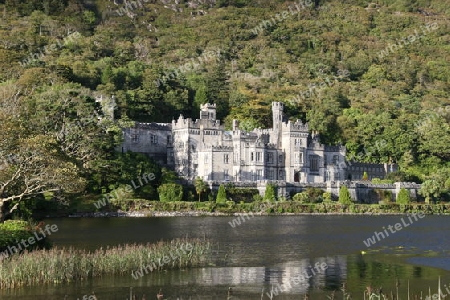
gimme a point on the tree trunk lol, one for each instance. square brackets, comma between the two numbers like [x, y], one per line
[2, 211]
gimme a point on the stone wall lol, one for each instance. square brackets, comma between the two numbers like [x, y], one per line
[361, 192]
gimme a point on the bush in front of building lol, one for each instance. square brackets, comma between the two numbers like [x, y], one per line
[221, 195]
[270, 193]
[344, 196]
[310, 195]
[170, 192]
[241, 194]
[403, 197]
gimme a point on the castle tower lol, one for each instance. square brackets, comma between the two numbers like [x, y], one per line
[277, 117]
[208, 111]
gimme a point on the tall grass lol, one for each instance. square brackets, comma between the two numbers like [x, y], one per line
[68, 265]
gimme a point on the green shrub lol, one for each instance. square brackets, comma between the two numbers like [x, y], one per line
[344, 196]
[382, 181]
[310, 195]
[257, 198]
[269, 194]
[170, 192]
[121, 196]
[301, 197]
[384, 195]
[241, 194]
[211, 206]
[314, 194]
[403, 196]
[327, 197]
[221, 195]
[365, 176]
[230, 204]
[13, 231]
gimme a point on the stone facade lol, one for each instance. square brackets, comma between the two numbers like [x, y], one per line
[286, 152]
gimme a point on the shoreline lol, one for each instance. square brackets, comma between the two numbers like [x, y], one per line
[173, 214]
[260, 208]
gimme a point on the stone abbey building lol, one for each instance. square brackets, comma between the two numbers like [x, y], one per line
[286, 152]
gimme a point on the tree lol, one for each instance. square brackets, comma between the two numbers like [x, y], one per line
[32, 161]
[170, 192]
[269, 194]
[200, 187]
[36, 167]
[344, 196]
[403, 196]
[365, 176]
[221, 195]
[168, 176]
[430, 189]
[436, 185]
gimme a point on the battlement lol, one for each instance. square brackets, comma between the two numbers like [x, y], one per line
[208, 111]
[260, 131]
[315, 145]
[337, 148]
[278, 105]
[217, 148]
[183, 123]
[298, 126]
[208, 106]
[153, 126]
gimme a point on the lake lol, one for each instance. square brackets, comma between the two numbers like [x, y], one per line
[265, 253]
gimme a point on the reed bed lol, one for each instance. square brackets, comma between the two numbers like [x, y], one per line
[61, 265]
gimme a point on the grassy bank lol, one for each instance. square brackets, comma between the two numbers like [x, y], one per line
[86, 205]
[14, 231]
[68, 265]
[292, 207]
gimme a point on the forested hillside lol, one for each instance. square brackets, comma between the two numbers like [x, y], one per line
[372, 76]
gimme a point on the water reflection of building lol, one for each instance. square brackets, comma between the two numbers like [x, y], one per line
[335, 271]
[283, 274]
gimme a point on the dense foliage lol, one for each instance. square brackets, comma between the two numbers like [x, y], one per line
[221, 195]
[12, 232]
[170, 192]
[403, 196]
[270, 193]
[311, 195]
[344, 196]
[374, 77]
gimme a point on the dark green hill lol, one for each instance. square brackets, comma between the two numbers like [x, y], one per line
[373, 76]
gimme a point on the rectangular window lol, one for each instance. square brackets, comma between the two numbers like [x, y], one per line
[154, 139]
[252, 158]
[225, 175]
[335, 159]
[314, 163]
[258, 156]
[225, 158]
[270, 157]
[280, 159]
[135, 138]
[259, 174]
